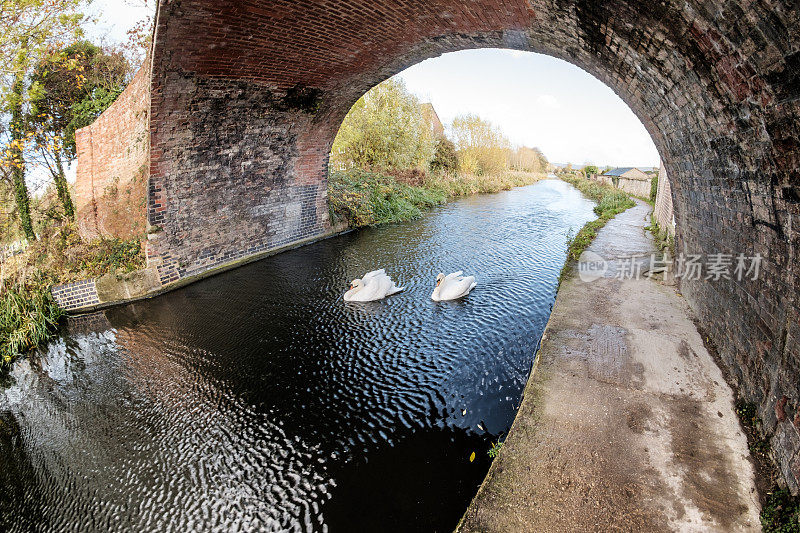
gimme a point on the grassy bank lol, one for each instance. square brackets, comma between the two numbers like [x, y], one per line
[28, 313]
[610, 202]
[364, 198]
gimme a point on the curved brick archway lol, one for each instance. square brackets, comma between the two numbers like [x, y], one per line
[247, 96]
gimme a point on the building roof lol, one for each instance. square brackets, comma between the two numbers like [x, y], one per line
[619, 171]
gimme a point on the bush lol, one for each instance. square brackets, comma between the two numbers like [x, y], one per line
[410, 176]
[62, 253]
[368, 198]
[482, 147]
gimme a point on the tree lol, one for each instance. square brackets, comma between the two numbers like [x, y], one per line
[588, 170]
[29, 31]
[528, 160]
[140, 35]
[15, 155]
[384, 130]
[68, 91]
[445, 159]
[482, 148]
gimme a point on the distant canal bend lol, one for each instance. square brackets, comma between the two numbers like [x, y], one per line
[260, 400]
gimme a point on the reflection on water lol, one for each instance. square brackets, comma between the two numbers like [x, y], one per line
[259, 399]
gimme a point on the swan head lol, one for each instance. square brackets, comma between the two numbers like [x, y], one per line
[439, 279]
[356, 285]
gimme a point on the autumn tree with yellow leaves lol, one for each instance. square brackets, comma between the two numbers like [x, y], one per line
[29, 32]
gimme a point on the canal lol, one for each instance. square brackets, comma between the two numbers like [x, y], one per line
[259, 400]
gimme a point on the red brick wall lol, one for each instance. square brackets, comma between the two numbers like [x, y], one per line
[113, 165]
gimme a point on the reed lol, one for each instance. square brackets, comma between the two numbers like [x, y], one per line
[28, 316]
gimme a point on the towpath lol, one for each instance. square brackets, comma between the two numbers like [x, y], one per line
[627, 423]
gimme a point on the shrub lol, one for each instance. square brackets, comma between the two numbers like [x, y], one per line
[482, 147]
[369, 198]
[410, 176]
[385, 129]
[445, 159]
[653, 189]
[590, 169]
[62, 253]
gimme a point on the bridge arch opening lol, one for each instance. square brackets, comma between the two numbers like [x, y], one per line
[247, 97]
[571, 116]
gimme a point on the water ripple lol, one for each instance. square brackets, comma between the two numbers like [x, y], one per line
[260, 400]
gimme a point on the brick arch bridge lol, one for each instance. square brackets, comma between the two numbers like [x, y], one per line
[247, 96]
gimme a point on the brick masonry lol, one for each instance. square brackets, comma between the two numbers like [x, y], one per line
[76, 295]
[247, 96]
[113, 161]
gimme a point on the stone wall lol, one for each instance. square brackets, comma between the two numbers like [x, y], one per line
[636, 187]
[112, 165]
[663, 208]
[247, 97]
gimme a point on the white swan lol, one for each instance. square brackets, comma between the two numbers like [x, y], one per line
[452, 287]
[375, 285]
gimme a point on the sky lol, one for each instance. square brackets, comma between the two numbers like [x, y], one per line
[536, 100]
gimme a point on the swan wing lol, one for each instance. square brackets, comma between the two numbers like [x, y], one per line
[457, 288]
[454, 275]
[373, 274]
[394, 289]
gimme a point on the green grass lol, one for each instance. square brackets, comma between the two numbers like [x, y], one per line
[663, 240]
[610, 203]
[28, 317]
[781, 512]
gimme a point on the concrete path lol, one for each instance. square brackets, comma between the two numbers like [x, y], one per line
[627, 424]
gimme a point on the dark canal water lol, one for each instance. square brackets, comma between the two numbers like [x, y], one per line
[260, 400]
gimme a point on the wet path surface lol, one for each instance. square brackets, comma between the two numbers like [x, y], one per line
[259, 400]
[627, 423]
